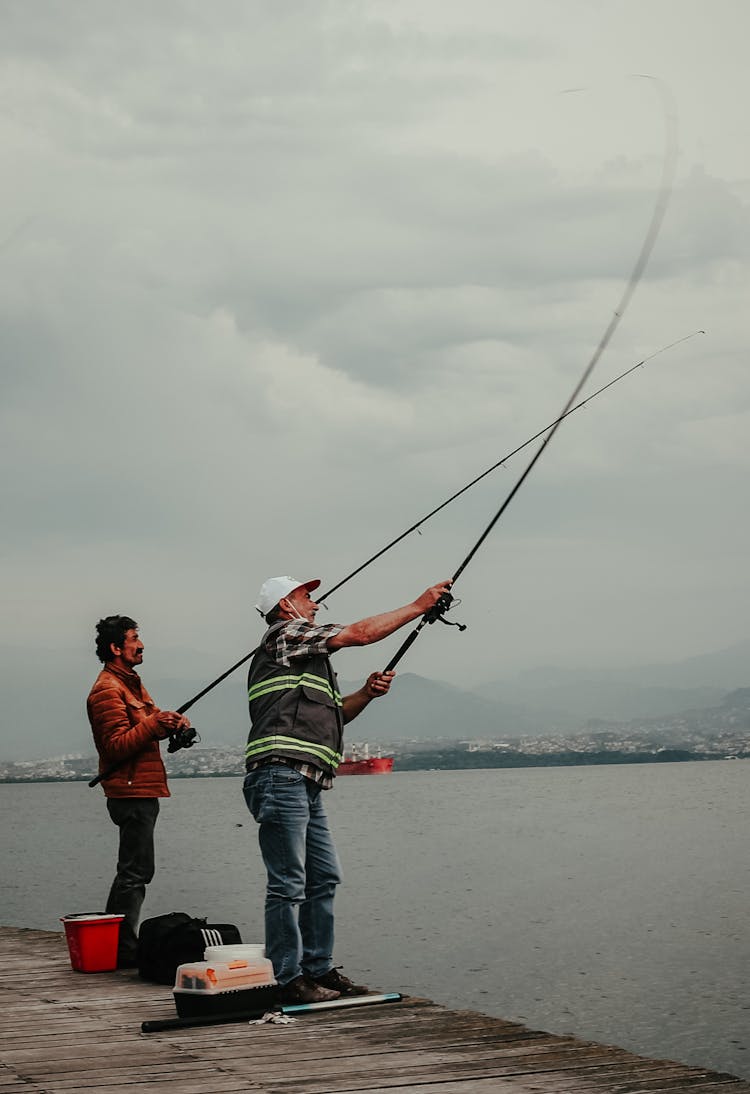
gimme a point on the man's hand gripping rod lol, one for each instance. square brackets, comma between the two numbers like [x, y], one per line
[437, 612]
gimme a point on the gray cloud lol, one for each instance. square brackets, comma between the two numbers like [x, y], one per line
[274, 281]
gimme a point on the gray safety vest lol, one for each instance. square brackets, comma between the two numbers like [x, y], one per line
[295, 710]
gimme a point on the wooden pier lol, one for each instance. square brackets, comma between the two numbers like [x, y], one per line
[63, 1031]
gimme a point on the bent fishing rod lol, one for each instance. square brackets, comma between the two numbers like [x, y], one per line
[443, 605]
[183, 740]
[423, 520]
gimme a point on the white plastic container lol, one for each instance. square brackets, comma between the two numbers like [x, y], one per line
[238, 952]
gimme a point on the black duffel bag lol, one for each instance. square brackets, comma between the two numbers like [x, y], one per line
[170, 940]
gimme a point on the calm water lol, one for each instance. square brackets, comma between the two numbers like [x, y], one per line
[607, 902]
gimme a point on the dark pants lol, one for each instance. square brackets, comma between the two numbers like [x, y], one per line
[135, 817]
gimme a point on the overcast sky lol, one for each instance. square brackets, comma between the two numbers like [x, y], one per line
[276, 278]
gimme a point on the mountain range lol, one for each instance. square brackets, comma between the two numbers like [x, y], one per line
[43, 707]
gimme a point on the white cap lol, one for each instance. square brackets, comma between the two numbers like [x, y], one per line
[276, 588]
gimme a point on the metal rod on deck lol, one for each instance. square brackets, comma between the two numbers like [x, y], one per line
[160, 1025]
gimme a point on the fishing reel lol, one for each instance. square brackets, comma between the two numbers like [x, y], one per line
[184, 737]
[437, 612]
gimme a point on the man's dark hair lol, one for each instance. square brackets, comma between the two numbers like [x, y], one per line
[111, 631]
[274, 615]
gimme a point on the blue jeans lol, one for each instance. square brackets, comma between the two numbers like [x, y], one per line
[302, 866]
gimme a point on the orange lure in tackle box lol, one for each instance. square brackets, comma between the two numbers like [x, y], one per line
[204, 988]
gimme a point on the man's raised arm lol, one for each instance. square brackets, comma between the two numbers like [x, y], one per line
[376, 627]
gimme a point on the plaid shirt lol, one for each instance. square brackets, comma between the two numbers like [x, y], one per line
[298, 638]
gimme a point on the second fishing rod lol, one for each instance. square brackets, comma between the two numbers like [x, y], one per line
[186, 738]
[570, 409]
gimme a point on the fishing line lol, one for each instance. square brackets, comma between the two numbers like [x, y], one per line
[415, 527]
[666, 185]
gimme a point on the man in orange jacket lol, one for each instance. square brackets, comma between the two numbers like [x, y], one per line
[127, 728]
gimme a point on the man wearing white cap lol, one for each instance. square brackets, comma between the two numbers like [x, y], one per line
[295, 745]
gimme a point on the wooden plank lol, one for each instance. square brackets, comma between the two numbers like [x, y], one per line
[24, 1042]
[47, 1070]
[137, 1076]
[10, 1082]
[59, 1061]
[210, 1081]
[218, 1085]
[338, 1046]
[675, 1081]
[360, 1074]
[579, 1067]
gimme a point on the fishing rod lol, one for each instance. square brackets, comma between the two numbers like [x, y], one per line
[414, 527]
[182, 739]
[443, 605]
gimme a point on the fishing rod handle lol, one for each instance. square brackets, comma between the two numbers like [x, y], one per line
[404, 647]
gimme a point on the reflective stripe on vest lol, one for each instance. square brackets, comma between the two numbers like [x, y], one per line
[256, 750]
[289, 682]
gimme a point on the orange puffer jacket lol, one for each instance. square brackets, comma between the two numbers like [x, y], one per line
[123, 719]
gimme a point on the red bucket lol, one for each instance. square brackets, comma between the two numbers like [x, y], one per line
[92, 940]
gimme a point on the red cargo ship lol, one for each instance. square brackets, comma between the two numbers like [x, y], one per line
[358, 761]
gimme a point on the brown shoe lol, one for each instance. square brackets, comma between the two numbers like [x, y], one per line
[335, 980]
[303, 990]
